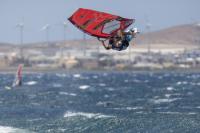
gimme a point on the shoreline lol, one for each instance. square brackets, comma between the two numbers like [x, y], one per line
[12, 70]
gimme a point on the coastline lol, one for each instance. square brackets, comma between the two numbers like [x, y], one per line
[29, 70]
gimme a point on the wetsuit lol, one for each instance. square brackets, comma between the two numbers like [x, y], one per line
[124, 45]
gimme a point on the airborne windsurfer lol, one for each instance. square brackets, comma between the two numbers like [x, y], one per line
[121, 40]
[105, 26]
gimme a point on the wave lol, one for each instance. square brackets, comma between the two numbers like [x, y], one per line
[102, 84]
[180, 113]
[164, 100]
[5, 129]
[84, 87]
[130, 108]
[61, 75]
[170, 88]
[87, 115]
[182, 83]
[66, 93]
[76, 75]
[31, 83]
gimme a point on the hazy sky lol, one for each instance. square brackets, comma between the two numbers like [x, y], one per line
[37, 13]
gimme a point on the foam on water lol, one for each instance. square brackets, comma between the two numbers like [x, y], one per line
[164, 100]
[167, 95]
[5, 129]
[111, 89]
[76, 75]
[130, 108]
[102, 84]
[87, 115]
[84, 87]
[180, 113]
[61, 75]
[31, 83]
[134, 108]
[66, 93]
[8, 87]
[181, 83]
[170, 88]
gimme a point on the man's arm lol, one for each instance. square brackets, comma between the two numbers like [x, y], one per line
[105, 46]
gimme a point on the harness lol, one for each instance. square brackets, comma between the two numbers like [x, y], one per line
[124, 45]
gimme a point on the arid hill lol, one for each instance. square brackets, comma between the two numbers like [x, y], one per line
[183, 34]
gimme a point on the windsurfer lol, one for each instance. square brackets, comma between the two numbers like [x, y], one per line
[121, 40]
[18, 77]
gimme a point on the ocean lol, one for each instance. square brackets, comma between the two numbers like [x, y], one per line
[101, 102]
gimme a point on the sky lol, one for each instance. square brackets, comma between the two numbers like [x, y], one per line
[35, 14]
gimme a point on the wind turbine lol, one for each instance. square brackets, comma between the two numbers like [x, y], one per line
[65, 29]
[64, 37]
[21, 31]
[20, 26]
[46, 28]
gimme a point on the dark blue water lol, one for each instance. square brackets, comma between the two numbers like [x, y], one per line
[98, 102]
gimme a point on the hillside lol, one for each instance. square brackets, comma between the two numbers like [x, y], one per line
[183, 34]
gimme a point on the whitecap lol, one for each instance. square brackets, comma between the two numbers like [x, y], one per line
[31, 83]
[192, 113]
[170, 88]
[169, 112]
[175, 113]
[182, 83]
[164, 100]
[104, 104]
[134, 108]
[84, 87]
[167, 95]
[61, 75]
[129, 108]
[102, 84]
[5, 129]
[8, 88]
[87, 115]
[76, 75]
[141, 112]
[66, 93]
[179, 83]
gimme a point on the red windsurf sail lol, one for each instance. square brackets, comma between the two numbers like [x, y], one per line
[18, 77]
[99, 24]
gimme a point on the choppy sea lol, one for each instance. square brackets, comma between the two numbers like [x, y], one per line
[101, 102]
